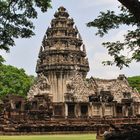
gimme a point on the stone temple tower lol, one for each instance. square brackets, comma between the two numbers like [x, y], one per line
[62, 52]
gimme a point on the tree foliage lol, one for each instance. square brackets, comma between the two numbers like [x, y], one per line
[131, 44]
[14, 81]
[15, 19]
[133, 6]
[134, 82]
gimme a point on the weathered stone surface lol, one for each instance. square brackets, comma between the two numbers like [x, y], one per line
[62, 49]
[41, 87]
[79, 88]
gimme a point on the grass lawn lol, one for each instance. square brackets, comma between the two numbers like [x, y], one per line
[51, 137]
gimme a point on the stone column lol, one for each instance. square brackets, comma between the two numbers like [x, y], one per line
[103, 109]
[77, 110]
[123, 111]
[93, 107]
[126, 111]
[133, 109]
[138, 108]
[66, 110]
[22, 106]
[90, 110]
[114, 110]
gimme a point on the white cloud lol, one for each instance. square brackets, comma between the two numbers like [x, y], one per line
[91, 3]
[119, 36]
[98, 70]
[97, 54]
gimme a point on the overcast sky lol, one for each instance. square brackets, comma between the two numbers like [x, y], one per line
[25, 53]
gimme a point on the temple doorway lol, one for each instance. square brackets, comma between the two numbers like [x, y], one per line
[119, 111]
[58, 110]
[71, 110]
[84, 110]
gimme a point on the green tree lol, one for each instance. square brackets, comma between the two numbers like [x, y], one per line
[133, 6]
[15, 19]
[134, 82]
[131, 44]
[14, 81]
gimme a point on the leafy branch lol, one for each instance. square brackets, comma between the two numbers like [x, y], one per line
[131, 44]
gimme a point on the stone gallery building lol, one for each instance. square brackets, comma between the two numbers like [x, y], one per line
[62, 89]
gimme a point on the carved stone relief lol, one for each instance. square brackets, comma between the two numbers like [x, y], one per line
[41, 87]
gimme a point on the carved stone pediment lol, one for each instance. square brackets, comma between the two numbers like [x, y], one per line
[41, 87]
[78, 88]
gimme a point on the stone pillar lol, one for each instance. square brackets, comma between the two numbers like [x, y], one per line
[133, 109]
[59, 87]
[93, 112]
[77, 110]
[114, 110]
[126, 111]
[90, 109]
[66, 110]
[138, 108]
[123, 111]
[103, 109]
[22, 106]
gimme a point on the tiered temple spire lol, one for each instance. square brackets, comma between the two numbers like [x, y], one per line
[62, 50]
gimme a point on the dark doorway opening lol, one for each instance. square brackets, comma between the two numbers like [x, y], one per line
[119, 111]
[71, 110]
[34, 105]
[18, 105]
[58, 110]
[84, 110]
